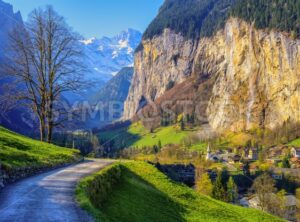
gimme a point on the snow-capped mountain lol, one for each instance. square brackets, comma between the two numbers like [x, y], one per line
[105, 57]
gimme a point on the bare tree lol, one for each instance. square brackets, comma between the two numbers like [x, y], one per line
[46, 61]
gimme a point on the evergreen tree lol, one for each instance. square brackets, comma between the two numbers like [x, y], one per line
[182, 125]
[286, 162]
[261, 158]
[155, 149]
[159, 144]
[246, 169]
[218, 191]
[232, 191]
[204, 185]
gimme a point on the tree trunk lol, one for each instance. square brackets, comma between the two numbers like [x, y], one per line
[50, 118]
[50, 132]
[42, 130]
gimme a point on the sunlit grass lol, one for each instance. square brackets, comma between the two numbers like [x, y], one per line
[145, 194]
[295, 142]
[19, 151]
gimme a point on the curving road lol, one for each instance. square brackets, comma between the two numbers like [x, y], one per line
[48, 196]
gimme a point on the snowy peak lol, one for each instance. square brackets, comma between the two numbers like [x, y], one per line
[107, 56]
[88, 41]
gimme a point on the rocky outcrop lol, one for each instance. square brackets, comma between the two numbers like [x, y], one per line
[256, 75]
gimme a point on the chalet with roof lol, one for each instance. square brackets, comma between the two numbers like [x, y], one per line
[250, 153]
[295, 152]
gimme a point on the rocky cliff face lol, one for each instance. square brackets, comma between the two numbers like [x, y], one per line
[259, 79]
[256, 74]
[163, 59]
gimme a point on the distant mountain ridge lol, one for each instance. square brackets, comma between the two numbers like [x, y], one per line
[104, 58]
[107, 56]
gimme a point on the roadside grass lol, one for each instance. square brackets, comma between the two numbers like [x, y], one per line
[146, 194]
[18, 151]
[295, 142]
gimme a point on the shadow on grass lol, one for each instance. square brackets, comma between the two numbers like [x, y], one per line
[118, 139]
[14, 143]
[135, 200]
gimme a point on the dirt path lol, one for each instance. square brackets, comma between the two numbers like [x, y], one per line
[48, 196]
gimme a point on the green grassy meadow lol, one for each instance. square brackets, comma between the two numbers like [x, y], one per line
[19, 151]
[146, 194]
[136, 135]
[295, 142]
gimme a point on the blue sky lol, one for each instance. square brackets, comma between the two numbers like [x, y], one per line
[96, 18]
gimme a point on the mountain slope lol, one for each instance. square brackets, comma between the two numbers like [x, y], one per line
[9, 19]
[16, 119]
[191, 18]
[239, 77]
[147, 194]
[117, 88]
[110, 99]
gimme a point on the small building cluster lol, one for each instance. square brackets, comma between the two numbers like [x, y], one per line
[232, 156]
[273, 155]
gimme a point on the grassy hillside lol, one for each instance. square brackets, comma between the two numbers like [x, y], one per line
[295, 142]
[136, 135]
[19, 151]
[145, 194]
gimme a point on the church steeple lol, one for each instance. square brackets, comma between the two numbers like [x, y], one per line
[208, 149]
[208, 152]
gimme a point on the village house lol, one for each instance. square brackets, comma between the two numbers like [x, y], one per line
[250, 153]
[276, 152]
[212, 156]
[232, 159]
[290, 205]
[295, 152]
[295, 163]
